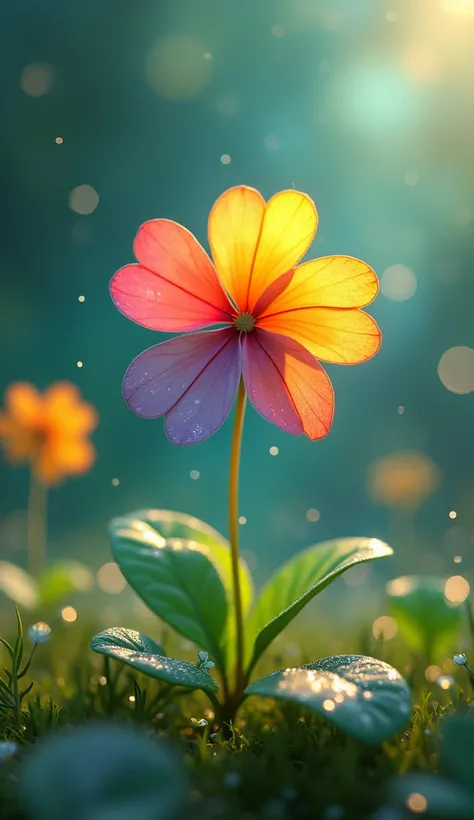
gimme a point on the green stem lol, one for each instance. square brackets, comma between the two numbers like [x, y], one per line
[36, 526]
[234, 533]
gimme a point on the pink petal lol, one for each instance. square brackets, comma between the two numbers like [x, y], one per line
[175, 286]
[192, 379]
[286, 384]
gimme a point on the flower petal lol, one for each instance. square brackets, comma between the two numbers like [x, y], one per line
[331, 334]
[253, 243]
[192, 378]
[175, 286]
[287, 385]
[332, 281]
[24, 403]
[66, 412]
[235, 224]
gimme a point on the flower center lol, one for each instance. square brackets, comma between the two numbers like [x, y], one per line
[244, 322]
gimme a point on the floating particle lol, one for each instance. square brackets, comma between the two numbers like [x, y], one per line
[79, 364]
[110, 579]
[398, 283]
[456, 370]
[453, 514]
[81, 298]
[84, 199]
[194, 474]
[36, 79]
[456, 589]
[400, 409]
[69, 614]
[313, 514]
[115, 482]
[59, 140]
[225, 159]
[417, 803]
[242, 519]
[274, 451]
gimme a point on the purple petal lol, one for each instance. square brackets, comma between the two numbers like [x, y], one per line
[205, 406]
[193, 378]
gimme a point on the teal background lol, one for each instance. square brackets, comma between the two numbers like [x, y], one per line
[336, 87]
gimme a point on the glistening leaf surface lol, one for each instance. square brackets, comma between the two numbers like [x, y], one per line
[363, 696]
[113, 643]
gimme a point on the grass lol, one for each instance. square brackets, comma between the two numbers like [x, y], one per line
[280, 760]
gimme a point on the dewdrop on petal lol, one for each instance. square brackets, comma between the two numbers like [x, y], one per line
[39, 633]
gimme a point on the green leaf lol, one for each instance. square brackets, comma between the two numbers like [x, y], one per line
[426, 621]
[444, 799]
[144, 655]
[61, 580]
[18, 585]
[171, 524]
[457, 748]
[123, 774]
[366, 697]
[175, 580]
[179, 528]
[298, 581]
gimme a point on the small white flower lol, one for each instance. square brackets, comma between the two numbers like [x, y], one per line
[39, 632]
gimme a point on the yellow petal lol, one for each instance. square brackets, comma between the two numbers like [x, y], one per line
[235, 223]
[332, 335]
[66, 412]
[253, 243]
[332, 281]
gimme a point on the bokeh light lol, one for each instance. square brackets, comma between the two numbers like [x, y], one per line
[404, 479]
[456, 370]
[177, 68]
[110, 579]
[417, 803]
[83, 199]
[457, 589]
[69, 614]
[313, 514]
[398, 282]
[37, 79]
[458, 8]
[384, 628]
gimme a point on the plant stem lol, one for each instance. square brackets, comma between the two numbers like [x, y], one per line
[36, 525]
[234, 532]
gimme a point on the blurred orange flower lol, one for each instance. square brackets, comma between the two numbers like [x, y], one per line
[48, 430]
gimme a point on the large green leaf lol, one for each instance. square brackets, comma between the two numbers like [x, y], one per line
[366, 697]
[102, 771]
[177, 582]
[171, 524]
[298, 581]
[175, 525]
[144, 655]
[426, 620]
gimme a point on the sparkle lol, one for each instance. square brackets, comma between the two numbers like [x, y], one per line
[81, 298]
[453, 514]
[79, 364]
[59, 140]
[242, 519]
[115, 482]
[273, 451]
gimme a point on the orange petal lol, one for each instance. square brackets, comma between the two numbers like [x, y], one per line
[66, 412]
[336, 336]
[24, 403]
[235, 223]
[253, 243]
[287, 385]
[332, 281]
[61, 457]
[19, 441]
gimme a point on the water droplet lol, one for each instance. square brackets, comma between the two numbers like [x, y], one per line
[460, 659]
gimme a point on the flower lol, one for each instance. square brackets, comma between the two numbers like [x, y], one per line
[278, 317]
[48, 430]
[39, 632]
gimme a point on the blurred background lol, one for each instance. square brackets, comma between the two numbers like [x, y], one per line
[115, 112]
